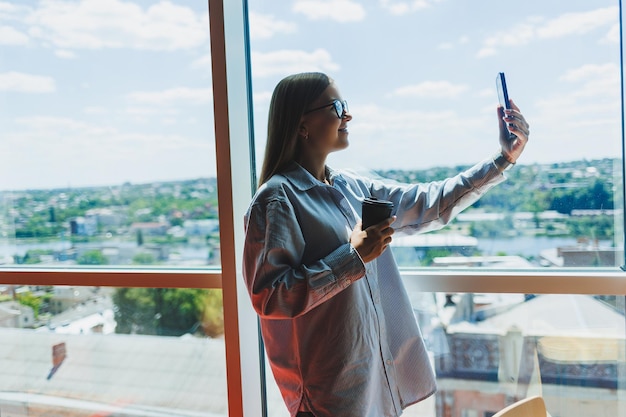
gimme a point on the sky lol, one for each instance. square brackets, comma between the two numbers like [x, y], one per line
[102, 92]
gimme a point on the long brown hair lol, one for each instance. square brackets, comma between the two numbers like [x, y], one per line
[292, 96]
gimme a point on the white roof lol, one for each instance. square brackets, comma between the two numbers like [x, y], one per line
[553, 315]
[121, 375]
[169, 375]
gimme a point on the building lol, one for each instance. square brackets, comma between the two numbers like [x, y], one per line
[14, 314]
[66, 297]
[541, 346]
[82, 226]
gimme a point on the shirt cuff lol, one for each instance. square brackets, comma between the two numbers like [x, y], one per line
[346, 264]
[500, 161]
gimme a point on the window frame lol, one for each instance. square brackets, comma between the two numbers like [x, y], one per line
[235, 159]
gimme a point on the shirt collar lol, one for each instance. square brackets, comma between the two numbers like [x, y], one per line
[303, 180]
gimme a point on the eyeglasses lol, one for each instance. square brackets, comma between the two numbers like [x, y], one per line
[341, 108]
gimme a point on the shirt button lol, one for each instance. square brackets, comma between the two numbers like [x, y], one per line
[389, 362]
[376, 300]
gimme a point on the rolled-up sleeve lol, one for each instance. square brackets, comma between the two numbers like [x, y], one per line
[279, 283]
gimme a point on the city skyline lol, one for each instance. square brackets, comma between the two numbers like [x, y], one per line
[99, 92]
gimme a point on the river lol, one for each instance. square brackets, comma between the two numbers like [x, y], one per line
[523, 246]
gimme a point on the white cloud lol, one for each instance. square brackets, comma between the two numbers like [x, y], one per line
[590, 109]
[338, 10]
[11, 10]
[150, 115]
[266, 26]
[121, 155]
[292, 61]
[202, 63]
[578, 23]
[431, 89]
[62, 125]
[612, 35]
[26, 83]
[485, 93]
[12, 36]
[404, 7]
[596, 81]
[450, 45]
[417, 138]
[590, 71]
[520, 34]
[95, 110]
[262, 97]
[95, 24]
[65, 54]
[4, 7]
[179, 95]
[536, 28]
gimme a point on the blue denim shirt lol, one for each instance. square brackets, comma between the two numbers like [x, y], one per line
[340, 335]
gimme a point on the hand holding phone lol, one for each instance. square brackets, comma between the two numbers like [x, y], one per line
[503, 96]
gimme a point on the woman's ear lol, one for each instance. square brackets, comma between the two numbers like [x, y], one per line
[303, 131]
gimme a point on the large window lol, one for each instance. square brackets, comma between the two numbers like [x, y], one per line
[419, 78]
[108, 193]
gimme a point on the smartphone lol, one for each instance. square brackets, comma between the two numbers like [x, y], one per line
[503, 96]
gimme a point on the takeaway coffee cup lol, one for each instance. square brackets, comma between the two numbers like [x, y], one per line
[375, 211]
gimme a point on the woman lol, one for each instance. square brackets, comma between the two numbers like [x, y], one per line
[338, 327]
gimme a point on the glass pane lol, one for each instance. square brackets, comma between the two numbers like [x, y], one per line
[97, 351]
[419, 78]
[490, 350]
[107, 124]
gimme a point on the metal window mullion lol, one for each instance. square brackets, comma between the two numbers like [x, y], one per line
[537, 281]
[113, 277]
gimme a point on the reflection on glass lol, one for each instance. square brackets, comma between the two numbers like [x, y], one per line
[97, 351]
[107, 126]
[490, 350]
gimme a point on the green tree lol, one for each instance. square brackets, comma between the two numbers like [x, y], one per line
[493, 229]
[92, 257]
[596, 196]
[28, 299]
[168, 311]
[144, 258]
[134, 311]
[591, 227]
[139, 237]
[213, 313]
[33, 256]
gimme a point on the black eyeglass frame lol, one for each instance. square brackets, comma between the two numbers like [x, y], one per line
[341, 108]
